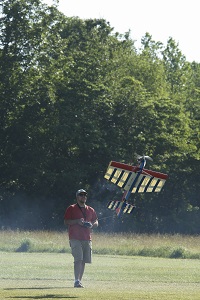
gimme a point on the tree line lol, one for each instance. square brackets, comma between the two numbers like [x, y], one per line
[74, 95]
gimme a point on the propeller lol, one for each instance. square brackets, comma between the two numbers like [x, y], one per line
[140, 157]
[143, 158]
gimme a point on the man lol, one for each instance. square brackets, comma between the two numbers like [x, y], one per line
[80, 218]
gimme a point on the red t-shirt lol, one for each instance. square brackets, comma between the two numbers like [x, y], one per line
[76, 231]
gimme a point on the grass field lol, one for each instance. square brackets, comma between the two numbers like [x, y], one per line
[50, 276]
[38, 265]
[166, 246]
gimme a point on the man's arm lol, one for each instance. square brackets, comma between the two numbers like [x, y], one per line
[95, 224]
[73, 222]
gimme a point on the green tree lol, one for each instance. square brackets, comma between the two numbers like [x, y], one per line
[75, 95]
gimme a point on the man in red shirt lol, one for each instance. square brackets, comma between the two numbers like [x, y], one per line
[80, 218]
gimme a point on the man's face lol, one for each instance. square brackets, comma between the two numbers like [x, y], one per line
[81, 198]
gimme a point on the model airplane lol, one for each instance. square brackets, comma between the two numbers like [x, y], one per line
[133, 179]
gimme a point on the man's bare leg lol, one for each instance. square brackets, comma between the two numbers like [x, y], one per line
[79, 267]
[82, 270]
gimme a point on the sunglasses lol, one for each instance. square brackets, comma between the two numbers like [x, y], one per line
[83, 195]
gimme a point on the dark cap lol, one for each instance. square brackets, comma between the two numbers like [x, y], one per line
[81, 191]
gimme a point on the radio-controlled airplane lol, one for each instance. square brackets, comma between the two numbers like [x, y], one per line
[133, 179]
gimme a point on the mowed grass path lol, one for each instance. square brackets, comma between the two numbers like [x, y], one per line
[50, 276]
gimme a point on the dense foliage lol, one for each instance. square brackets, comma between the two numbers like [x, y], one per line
[74, 95]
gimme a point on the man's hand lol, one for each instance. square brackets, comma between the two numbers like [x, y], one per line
[80, 222]
[87, 224]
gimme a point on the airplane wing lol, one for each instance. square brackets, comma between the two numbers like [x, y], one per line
[121, 206]
[123, 175]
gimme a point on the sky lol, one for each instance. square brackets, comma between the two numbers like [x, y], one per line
[162, 19]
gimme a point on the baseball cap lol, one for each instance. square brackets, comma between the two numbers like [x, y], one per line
[81, 191]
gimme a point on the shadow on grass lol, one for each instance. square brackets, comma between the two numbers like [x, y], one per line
[50, 296]
[47, 296]
[37, 288]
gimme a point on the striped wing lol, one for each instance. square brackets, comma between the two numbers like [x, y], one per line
[123, 175]
[122, 206]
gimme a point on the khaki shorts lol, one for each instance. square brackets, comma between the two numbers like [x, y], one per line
[81, 250]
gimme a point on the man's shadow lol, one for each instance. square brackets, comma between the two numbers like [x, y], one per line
[51, 296]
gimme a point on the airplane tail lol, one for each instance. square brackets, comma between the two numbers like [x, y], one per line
[120, 207]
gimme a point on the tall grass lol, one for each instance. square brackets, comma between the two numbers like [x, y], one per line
[155, 245]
